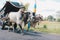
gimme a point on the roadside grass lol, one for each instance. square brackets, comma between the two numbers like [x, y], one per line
[51, 27]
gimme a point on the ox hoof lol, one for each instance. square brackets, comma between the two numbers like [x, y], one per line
[19, 31]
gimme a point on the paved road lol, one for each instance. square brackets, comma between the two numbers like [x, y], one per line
[5, 35]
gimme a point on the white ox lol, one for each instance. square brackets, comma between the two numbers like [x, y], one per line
[15, 18]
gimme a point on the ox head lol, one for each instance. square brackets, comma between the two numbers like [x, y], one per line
[22, 9]
[29, 16]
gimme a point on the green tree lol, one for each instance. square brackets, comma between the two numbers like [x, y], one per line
[50, 18]
[58, 19]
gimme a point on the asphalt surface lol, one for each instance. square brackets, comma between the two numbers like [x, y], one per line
[5, 35]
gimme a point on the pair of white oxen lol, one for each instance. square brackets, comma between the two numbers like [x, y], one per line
[15, 18]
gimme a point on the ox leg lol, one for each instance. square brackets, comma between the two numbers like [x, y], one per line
[3, 26]
[22, 26]
[38, 22]
[15, 25]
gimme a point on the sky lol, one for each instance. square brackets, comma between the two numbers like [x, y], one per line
[44, 7]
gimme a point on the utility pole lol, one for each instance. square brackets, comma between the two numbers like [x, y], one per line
[34, 11]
